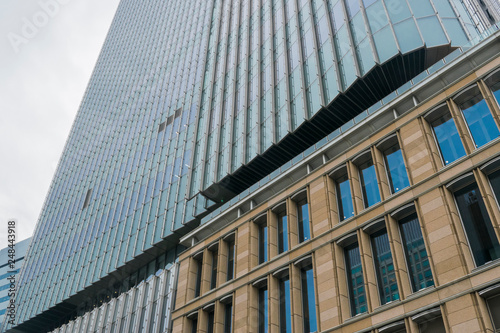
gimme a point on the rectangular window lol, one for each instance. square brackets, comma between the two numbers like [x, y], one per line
[194, 325]
[398, 178]
[199, 264]
[308, 300]
[494, 309]
[344, 197]
[369, 184]
[262, 243]
[263, 310]
[213, 278]
[477, 224]
[355, 279]
[282, 233]
[434, 325]
[210, 322]
[228, 318]
[447, 137]
[481, 124]
[230, 260]
[384, 267]
[303, 220]
[415, 252]
[285, 306]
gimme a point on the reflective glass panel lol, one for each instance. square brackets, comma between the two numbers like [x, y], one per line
[344, 197]
[369, 186]
[210, 322]
[479, 119]
[263, 310]
[285, 309]
[416, 254]
[262, 243]
[448, 140]
[213, 279]
[477, 224]
[384, 267]
[303, 220]
[228, 318]
[282, 233]
[230, 261]
[198, 263]
[494, 309]
[398, 178]
[308, 300]
[355, 280]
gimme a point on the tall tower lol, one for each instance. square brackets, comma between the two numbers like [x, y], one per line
[191, 103]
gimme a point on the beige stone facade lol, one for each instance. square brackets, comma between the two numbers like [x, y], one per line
[459, 298]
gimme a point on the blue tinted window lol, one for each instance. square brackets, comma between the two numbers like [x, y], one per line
[308, 300]
[262, 243]
[355, 280]
[282, 233]
[198, 263]
[369, 184]
[477, 224]
[416, 254]
[344, 197]
[303, 221]
[398, 178]
[448, 139]
[285, 309]
[478, 117]
[263, 310]
[384, 267]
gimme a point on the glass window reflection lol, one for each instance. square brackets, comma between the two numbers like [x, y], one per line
[262, 243]
[398, 178]
[416, 253]
[282, 233]
[384, 267]
[448, 139]
[481, 124]
[285, 314]
[263, 310]
[308, 300]
[369, 185]
[477, 224]
[344, 197]
[303, 220]
[355, 281]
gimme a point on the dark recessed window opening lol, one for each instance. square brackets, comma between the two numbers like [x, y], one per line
[87, 199]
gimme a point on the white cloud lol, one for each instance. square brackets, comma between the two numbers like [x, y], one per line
[42, 87]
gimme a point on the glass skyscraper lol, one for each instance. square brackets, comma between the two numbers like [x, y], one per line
[192, 102]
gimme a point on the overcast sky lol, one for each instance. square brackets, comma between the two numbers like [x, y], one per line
[48, 49]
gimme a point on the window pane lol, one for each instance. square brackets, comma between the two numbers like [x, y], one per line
[210, 322]
[308, 300]
[198, 263]
[230, 261]
[303, 220]
[384, 266]
[263, 310]
[479, 119]
[398, 177]
[495, 183]
[369, 184]
[194, 325]
[480, 233]
[355, 280]
[282, 233]
[416, 254]
[285, 310]
[228, 315]
[344, 198]
[494, 308]
[262, 243]
[213, 279]
[434, 325]
[449, 142]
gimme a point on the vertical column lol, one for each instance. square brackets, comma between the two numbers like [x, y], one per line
[328, 297]
[318, 199]
[398, 257]
[489, 199]
[353, 174]
[206, 271]
[333, 210]
[222, 263]
[373, 298]
[272, 224]
[343, 292]
[441, 235]
[383, 182]
[293, 232]
[254, 243]
[462, 315]
[242, 245]
[296, 299]
[274, 304]
[462, 128]
[420, 164]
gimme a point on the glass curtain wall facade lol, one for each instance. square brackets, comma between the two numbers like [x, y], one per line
[185, 101]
